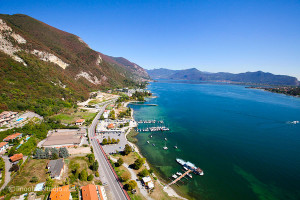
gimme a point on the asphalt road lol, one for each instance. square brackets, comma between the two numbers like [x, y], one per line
[106, 174]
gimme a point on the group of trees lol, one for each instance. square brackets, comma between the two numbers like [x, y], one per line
[110, 141]
[130, 185]
[112, 115]
[51, 153]
[94, 165]
[140, 95]
[125, 113]
[79, 174]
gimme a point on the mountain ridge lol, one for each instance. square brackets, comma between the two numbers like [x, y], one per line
[41, 62]
[258, 77]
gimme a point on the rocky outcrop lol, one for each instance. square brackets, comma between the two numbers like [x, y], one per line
[48, 57]
[90, 78]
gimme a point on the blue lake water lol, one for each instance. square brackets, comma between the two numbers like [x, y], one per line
[240, 137]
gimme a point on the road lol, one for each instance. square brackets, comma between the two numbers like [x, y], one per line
[7, 172]
[107, 176]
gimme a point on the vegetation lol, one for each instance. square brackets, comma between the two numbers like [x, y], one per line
[143, 173]
[138, 163]
[127, 149]
[119, 162]
[131, 136]
[292, 91]
[110, 141]
[51, 153]
[130, 185]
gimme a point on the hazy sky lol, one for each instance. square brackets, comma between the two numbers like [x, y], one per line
[211, 35]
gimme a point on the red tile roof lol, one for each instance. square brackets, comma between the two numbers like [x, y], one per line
[79, 120]
[3, 144]
[16, 157]
[61, 193]
[11, 137]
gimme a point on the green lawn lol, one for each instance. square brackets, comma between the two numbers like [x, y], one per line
[71, 117]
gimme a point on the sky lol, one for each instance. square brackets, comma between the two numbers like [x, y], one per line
[210, 35]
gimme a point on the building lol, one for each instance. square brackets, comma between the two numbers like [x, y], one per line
[93, 192]
[148, 182]
[106, 114]
[15, 158]
[79, 122]
[6, 117]
[13, 137]
[39, 187]
[3, 146]
[56, 168]
[64, 138]
[61, 193]
[110, 126]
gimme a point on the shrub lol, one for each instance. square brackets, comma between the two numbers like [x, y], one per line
[130, 185]
[90, 177]
[34, 179]
[143, 173]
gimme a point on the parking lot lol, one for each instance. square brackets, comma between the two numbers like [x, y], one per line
[113, 148]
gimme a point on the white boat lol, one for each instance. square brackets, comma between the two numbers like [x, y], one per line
[174, 176]
[190, 175]
[166, 139]
[179, 173]
[153, 144]
[180, 161]
[185, 168]
[148, 142]
[165, 148]
[151, 136]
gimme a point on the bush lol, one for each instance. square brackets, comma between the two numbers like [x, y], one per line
[119, 162]
[90, 177]
[138, 163]
[83, 175]
[130, 186]
[95, 166]
[34, 179]
[143, 173]
[97, 174]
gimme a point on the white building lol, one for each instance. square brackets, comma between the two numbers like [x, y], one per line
[3, 146]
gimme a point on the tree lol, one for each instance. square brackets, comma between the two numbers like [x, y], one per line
[119, 162]
[127, 149]
[109, 140]
[113, 141]
[130, 185]
[143, 173]
[102, 117]
[104, 141]
[83, 175]
[91, 158]
[47, 153]
[54, 154]
[63, 152]
[90, 177]
[97, 174]
[118, 140]
[138, 163]
[95, 166]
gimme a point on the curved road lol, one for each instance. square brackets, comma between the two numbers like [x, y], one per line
[107, 175]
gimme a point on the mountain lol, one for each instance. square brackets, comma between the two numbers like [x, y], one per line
[43, 65]
[258, 77]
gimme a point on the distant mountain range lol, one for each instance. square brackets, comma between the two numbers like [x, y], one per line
[258, 77]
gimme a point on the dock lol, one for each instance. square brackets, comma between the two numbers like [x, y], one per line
[177, 179]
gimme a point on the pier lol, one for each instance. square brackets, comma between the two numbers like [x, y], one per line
[177, 179]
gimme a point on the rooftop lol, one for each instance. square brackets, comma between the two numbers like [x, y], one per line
[3, 144]
[16, 157]
[55, 167]
[80, 120]
[61, 193]
[11, 137]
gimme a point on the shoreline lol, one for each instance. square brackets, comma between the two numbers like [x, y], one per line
[170, 191]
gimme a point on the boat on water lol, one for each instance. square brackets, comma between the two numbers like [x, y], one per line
[174, 176]
[190, 175]
[179, 173]
[165, 147]
[166, 139]
[151, 136]
[190, 166]
[148, 142]
[175, 147]
[153, 144]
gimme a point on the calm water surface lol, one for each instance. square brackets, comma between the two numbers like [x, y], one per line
[240, 137]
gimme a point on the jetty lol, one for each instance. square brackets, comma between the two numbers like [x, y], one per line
[180, 177]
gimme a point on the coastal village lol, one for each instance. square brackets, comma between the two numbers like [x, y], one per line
[63, 165]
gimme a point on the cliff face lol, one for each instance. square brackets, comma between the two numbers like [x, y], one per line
[36, 58]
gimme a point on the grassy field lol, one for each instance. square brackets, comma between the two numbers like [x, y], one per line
[70, 116]
[32, 168]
